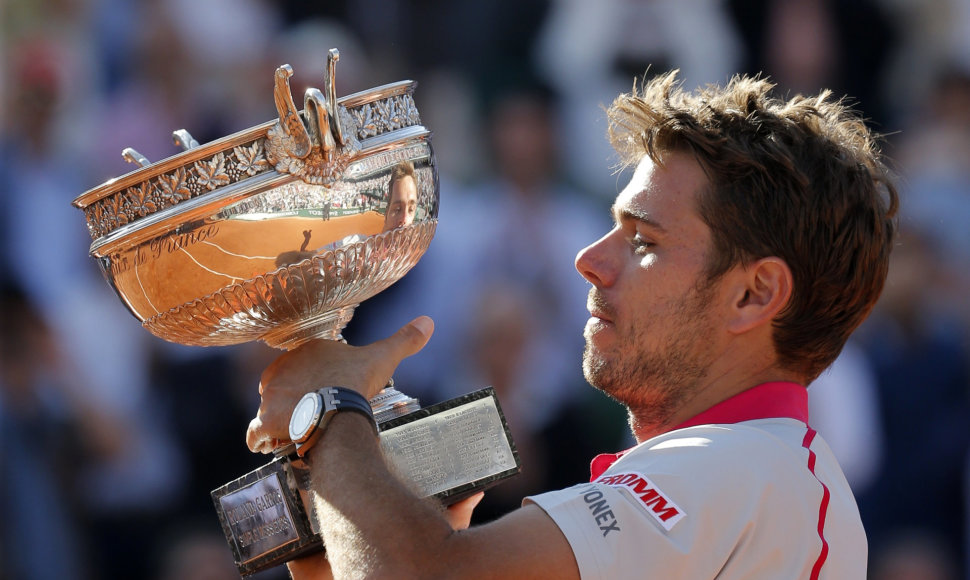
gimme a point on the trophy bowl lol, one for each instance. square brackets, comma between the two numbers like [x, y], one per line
[275, 233]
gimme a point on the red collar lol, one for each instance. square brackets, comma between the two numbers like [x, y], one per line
[767, 400]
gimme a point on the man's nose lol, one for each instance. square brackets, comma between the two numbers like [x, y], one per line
[595, 263]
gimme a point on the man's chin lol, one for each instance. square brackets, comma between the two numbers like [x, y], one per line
[596, 370]
[604, 376]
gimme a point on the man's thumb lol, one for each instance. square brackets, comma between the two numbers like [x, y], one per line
[412, 337]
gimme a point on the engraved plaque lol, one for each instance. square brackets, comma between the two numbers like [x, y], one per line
[259, 517]
[450, 450]
[264, 517]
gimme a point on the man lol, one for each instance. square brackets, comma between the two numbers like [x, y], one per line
[753, 238]
[403, 197]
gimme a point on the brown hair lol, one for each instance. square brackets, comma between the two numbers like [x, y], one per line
[802, 180]
[400, 171]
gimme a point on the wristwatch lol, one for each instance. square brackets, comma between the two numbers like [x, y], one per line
[316, 409]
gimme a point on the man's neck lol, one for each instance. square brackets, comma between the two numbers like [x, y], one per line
[713, 391]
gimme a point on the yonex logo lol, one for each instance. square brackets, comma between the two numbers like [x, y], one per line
[600, 510]
[658, 505]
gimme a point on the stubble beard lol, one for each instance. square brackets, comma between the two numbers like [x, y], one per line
[654, 382]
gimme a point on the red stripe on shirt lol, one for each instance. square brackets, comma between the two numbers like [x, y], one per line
[822, 508]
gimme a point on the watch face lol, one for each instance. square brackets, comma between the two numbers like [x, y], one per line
[305, 416]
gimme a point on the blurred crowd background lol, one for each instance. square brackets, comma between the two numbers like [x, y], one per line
[111, 439]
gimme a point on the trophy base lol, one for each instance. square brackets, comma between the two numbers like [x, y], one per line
[450, 451]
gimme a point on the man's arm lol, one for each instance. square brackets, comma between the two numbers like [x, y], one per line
[317, 567]
[373, 526]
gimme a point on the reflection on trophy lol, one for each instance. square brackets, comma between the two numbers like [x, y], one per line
[276, 233]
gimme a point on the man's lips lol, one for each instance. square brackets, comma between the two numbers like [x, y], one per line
[599, 308]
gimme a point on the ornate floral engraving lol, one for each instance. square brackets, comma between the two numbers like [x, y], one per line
[143, 199]
[367, 121]
[386, 115]
[348, 129]
[414, 118]
[277, 143]
[96, 220]
[174, 187]
[251, 160]
[212, 174]
[115, 212]
[387, 112]
[178, 185]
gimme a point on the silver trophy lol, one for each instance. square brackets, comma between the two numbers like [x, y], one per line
[277, 233]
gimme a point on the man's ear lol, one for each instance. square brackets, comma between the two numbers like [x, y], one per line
[763, 289]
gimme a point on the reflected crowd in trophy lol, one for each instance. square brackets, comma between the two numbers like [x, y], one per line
[112, 438]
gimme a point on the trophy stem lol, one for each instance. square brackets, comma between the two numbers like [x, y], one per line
[327, 325]
[391, 403]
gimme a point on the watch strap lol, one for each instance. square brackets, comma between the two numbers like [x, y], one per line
[337, 399]
[343, 399]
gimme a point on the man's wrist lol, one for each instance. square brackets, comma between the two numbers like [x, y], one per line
[314, 412]
[352, 427]
[358, 418]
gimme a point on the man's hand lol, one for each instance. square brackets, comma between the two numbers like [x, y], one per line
[312, 567]
[327, 363]
[459, 515]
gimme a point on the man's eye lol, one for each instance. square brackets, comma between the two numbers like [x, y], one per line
[640, 243]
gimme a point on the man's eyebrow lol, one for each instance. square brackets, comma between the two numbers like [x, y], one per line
[628, 214]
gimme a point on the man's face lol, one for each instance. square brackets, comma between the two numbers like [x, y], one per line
[403, 203]
[649, 341]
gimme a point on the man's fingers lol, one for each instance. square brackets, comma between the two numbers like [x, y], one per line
[424, 325]
[315, 567]
[257, 439]
[408, 340]
[459, 515]
[252, 434]
[413, 336]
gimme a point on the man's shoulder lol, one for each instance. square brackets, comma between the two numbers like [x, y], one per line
[725, 443]
[710, 459]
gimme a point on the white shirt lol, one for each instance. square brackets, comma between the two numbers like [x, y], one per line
[744, 490]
